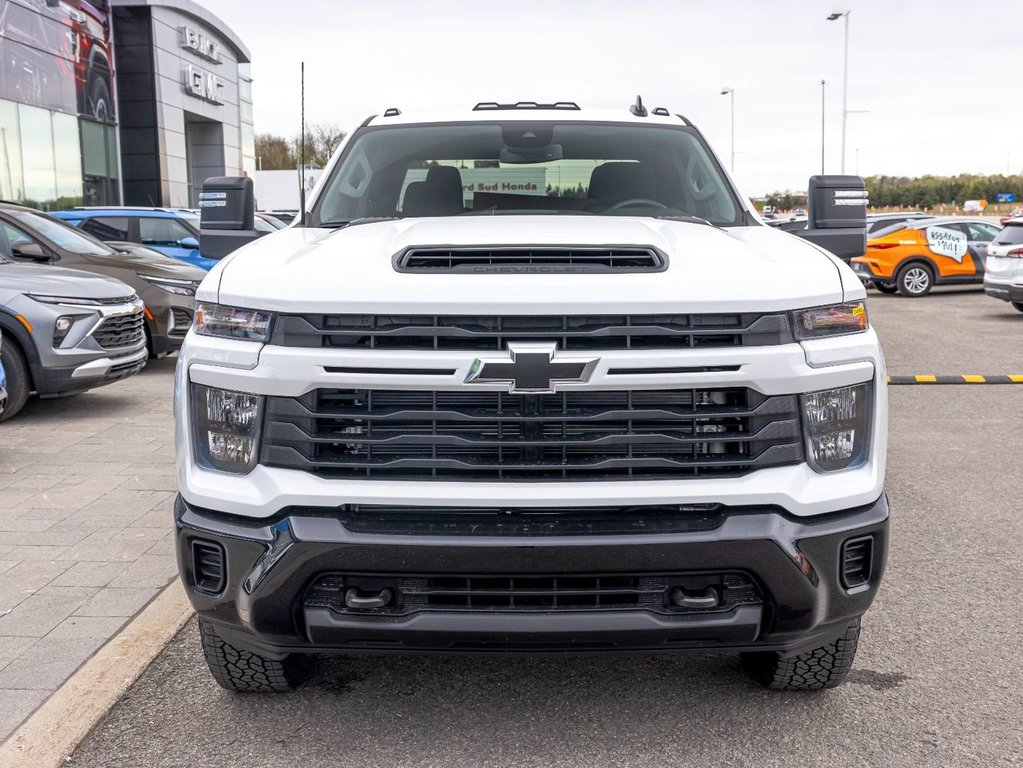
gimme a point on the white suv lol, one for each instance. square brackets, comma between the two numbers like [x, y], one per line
[531, 378]
[1003, 267]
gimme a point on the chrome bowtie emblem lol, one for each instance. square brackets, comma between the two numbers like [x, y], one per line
[531, 368]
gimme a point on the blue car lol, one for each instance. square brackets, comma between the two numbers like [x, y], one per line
[171, 231]
[3, 385]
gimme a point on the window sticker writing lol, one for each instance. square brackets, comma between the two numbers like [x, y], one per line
[947, 242]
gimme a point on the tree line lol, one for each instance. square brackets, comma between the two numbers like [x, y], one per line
[278, 153]
[921, 191]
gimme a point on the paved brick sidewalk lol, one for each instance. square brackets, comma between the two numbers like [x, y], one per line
[86, 495]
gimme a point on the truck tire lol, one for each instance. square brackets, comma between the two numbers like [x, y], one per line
[243, 671]
[19, 382]
[100, 104]
[813, 670]
[915, 280]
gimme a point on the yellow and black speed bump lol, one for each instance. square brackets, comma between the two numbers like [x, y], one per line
[966, 378]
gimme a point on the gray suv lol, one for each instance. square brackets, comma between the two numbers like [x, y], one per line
[63, 331]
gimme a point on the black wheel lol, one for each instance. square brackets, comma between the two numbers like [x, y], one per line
[19, 380]
[814, 670]
[915, 280]
[886, 287]
[1017, 305]
[100, 104]
[239, 670]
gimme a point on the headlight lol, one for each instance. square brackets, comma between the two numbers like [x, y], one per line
[832, 320]
[837, 427]
[171, 285]
[65, 300]
[225, 428]
[232, 322]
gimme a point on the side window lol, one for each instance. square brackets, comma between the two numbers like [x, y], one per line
[165, 232]
[11, 238]
[107, 228]
[982, 232]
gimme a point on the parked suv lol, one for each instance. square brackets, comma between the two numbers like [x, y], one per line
[165, 285]
[1003, 275]
[913, 256]
[466, 407]
[65, 331]
[173, 232]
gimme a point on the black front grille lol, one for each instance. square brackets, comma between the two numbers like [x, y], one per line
[535, 260]
[120, 331]
[395, 332]
[181, 321]
[582, 435]
[208, 566]
[532, 593]
[526, 521]
[126, 369]
[857, 555]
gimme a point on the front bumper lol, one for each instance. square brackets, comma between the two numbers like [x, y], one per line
[268, 567]
[95, 373]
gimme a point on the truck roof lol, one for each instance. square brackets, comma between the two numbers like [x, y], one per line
[530, 111]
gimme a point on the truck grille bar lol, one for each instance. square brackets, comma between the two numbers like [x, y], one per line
[484, 435]
[396, 332]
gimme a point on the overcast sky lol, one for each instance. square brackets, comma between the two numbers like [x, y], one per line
[940, 78]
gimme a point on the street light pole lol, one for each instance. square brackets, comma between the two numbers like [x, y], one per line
[731, 92]
[845, 78]
[824, 84]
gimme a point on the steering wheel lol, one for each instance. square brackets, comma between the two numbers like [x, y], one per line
[631, 202]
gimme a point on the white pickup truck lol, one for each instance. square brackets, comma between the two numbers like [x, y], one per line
[530, 378]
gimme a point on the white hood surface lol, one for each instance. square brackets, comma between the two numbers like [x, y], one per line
[350, 270]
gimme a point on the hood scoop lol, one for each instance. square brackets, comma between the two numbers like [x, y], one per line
[531, 259]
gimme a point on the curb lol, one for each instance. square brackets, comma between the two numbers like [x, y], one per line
[56, 729]
[965, 378]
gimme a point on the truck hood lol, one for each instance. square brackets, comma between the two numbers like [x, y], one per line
[710, 269]
[57, 281]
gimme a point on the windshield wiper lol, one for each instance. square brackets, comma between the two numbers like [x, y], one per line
[354, 222]
[686, 218]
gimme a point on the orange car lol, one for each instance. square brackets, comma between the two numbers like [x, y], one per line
[914, 256]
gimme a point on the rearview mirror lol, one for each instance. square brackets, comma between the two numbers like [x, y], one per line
[227, 207]
[29, 251]
[188, 242]
[837, 216]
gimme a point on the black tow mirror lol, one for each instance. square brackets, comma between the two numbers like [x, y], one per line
[29, 252]
[227, 206]
[837, 215]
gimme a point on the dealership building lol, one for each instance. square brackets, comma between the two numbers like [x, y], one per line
[109, 102]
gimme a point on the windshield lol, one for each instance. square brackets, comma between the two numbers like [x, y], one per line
[519, 167]
[62, 235]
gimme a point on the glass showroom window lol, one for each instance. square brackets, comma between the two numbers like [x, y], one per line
[37, 156]
[67, 155]
[12, 182]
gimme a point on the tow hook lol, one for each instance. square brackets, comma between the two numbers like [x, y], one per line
[355, 599]
[706, 599]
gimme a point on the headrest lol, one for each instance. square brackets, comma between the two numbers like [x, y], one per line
[613, 182]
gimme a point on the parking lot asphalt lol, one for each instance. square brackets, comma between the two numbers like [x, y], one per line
[937, 680]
